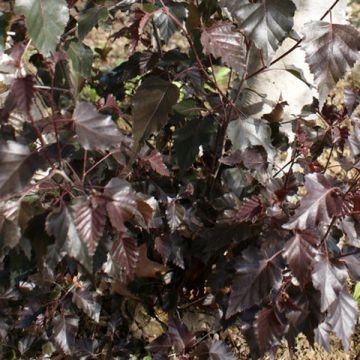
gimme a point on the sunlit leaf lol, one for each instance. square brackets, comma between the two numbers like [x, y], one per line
[87, 302]
[223, 41]
[44, 28]
[331, 50]
[266, 22]
[65, 328]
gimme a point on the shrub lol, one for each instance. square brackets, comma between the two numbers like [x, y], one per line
[217, 172]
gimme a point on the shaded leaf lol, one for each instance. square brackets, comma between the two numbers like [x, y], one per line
[254, 278]
[174, 214]
[23, 92]
[65, 328]
[170, 248]
[269, 329]
[152, 102]
[266, 22]
[89, 19]
[245, 133]
[181, 337]
[250, 210]
[125, 254]
[342, 317]
[329, 279]
[331, 50]
[165, 25]
[219, 351]
[190, 137]
[299, 253]
[223, 41]
[321, 203]
[95, 131]
[90, 221]
[17, 166]
[44, 28]
[87, 302]
[81, 57]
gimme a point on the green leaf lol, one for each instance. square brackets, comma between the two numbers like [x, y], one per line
[81, 57]
[356, 293]
[266, 22]
[152, 103]
[188, 139]
[89, 19]
[45, 21]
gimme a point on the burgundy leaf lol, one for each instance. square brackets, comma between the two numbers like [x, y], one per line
[87, 302]
[95, 130]
[23, 90]
[342, 317]
[219, 351]
[90, 221]
[255, 158]
[223, 41]
[125, 254]
[170, 248]
[329, 279]
[269, 329]
[255, 277]
[299, 253]
[351, 99]
[250, 210]
[180, 336]
[331, 50]
[163, 247]
[156, 162]
[321, 203]
[235, 158]
[124, 204]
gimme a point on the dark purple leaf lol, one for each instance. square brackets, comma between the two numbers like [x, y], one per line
[219, 351]
[342, 317]
[90, 221]
[170, 248]
[125, 254]
[65, 329]
[223, 41]
[329, 279]
[17, 166]
[95, 131]
[152, 103]
[351, 99]
[269, 329]
[331, 50]
[266, 22]
[299, 253]
[181, 337]
[87, 302]
[23, 90]
[255, 277]
[321, 203]
[250, 210]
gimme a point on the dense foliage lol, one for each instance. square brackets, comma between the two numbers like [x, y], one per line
[214, 170]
